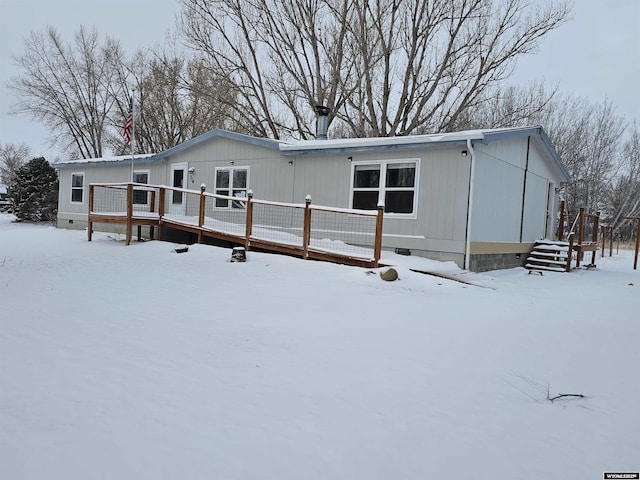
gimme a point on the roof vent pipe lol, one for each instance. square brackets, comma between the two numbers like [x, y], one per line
[322, 123]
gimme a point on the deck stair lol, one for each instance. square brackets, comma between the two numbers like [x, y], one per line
[548, 255]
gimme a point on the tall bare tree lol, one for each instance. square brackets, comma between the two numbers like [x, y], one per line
[69, 87]
[176, 98]
[383, 67]
[624, 190]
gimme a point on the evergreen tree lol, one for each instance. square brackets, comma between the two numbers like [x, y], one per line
[34, 191]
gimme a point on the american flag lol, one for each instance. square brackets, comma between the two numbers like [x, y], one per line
[128, 124]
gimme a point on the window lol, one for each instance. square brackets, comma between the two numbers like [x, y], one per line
[140, 196]
[392, 181]
[77, 187]
[231, 182]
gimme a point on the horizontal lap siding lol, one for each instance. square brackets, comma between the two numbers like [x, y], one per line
[270, 176]
[442, 194]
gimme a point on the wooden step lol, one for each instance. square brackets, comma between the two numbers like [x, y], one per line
[549, 254]
[547, 261]
[541, 267]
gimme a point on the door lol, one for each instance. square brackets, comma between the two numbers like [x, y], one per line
[177, 200]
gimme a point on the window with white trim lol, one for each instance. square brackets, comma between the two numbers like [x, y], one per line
[231, 182]
[77, 187]
[392, 182]
[140, 197]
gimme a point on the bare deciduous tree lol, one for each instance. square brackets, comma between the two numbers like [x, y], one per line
[69, 87]
[383, 67]
[12, 157]
[176, 98]
[624, 190]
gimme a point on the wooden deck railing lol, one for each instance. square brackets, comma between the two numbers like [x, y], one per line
[586, 237]
[309, 231]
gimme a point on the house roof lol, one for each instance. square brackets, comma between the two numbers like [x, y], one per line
[347, 145]
[104, 160]
[353, 145]
[219, 133]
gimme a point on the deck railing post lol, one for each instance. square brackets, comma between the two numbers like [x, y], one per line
[603, 229]
[90, 223]
[377, 248]
[570, 252]
[203, 188]
[129, 211]
[562, 220]
[152, 209]
[161, 195]
[248, 220]
[306, 232]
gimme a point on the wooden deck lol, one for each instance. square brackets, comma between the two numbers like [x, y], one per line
[352, 237]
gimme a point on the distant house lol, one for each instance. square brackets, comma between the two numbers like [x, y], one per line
[480, 198]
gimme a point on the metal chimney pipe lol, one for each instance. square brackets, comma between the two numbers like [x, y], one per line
[322, 122]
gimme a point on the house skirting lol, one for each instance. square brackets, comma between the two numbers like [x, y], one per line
[487, 256]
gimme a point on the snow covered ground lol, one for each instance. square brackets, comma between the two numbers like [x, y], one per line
[140, 363]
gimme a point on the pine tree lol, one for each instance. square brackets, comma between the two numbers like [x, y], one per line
[34, 191]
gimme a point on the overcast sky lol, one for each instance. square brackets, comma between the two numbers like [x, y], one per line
[597, 54]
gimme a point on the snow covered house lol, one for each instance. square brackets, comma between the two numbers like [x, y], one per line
[480, 198]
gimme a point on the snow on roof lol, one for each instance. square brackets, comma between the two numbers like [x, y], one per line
[3, 189]
[111, 159]
[307, 145]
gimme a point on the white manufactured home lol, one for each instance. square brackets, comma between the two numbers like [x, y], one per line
[480, 198]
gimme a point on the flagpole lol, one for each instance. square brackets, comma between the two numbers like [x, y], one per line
[133, 129]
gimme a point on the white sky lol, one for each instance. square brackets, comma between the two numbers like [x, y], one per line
[596, 55]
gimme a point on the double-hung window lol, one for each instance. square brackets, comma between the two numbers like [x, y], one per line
[232, 182]
[392, 182]
[140, 196]
[77, 187]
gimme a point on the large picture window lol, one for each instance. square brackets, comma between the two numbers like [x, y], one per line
[77, 187]
[232, 182]
[392, 182]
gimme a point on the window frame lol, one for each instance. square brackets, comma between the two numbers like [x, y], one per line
[148, 174]
[237, 204]
[72, 189]
[382, 188]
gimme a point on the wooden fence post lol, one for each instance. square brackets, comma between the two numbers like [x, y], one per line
[596, 226]
[90, 223]
[306, 232]
[604, 238]
[635, 259]
[377, 246]
[580, 234]
[611, 241]
[248, 220]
